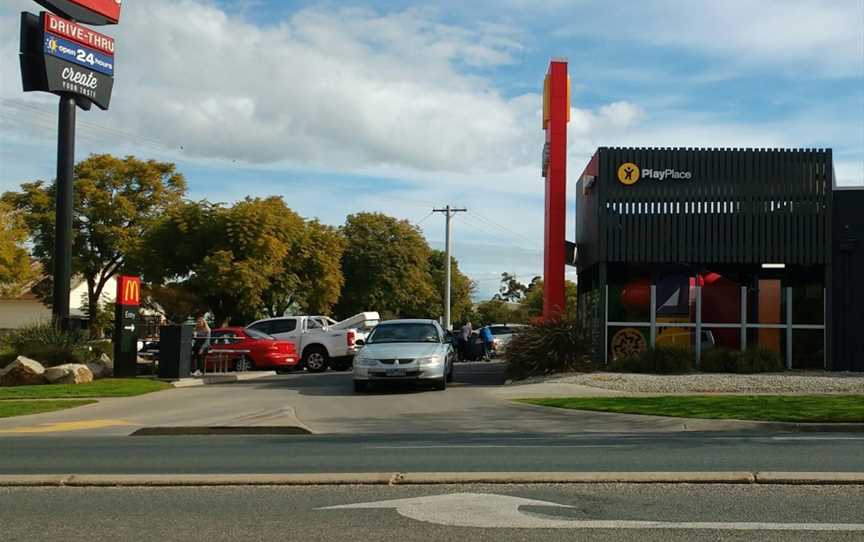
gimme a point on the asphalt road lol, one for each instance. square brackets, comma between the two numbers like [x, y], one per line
[522, 452]
[689, 512]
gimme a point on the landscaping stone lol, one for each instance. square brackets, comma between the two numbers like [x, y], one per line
[101, 367]
[22, 372]
[71, 373]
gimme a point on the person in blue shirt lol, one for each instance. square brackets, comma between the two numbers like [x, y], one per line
[486, 335]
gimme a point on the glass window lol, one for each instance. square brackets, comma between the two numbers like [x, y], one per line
[770, 339]
[808, 304]
[627, 341]
[404, 333]
[808, 349]
[264, 327]
[311, 323]
[676, 337]
[765, 303]
[676, 299]
[255, 334]
[282, 326]
[728, 338]
[630, 301]
[721, 299]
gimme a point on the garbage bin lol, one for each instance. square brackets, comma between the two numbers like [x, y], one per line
[175, 351]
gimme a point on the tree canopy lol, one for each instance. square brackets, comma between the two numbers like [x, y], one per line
[116, 202]
[16, 268]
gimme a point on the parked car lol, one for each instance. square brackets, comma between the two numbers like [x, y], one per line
[502, 335]
[248, 349]
[322, 341]
[405, 350]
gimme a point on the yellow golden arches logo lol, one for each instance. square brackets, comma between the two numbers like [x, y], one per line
[132, 293]
[628, 173]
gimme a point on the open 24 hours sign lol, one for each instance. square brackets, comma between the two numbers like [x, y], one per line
[63, 57]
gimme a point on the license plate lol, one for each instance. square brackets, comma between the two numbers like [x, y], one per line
[395, 372]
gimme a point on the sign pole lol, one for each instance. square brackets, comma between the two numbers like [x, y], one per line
[65, 197]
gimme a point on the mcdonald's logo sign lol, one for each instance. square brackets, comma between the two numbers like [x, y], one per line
[129, 290]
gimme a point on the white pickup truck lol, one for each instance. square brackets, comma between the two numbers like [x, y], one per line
[321, 341]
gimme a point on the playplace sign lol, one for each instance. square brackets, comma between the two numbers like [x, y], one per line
[630, 173]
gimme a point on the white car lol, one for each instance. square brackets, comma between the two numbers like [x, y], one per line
[405, 350]
[321, 341]
[502, 334]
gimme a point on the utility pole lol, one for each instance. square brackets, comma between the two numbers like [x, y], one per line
[449, 213]
[63, 211]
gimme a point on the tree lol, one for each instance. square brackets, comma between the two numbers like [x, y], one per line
[255, 258]
[386, 267]
[116, 202]
[531, 306]
[496, 311]
[511, 289]
[16, 268]
[175, 300]
[461, 288]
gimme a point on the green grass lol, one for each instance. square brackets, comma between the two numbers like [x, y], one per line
[780, 408]
[9, 409]
[101, 388]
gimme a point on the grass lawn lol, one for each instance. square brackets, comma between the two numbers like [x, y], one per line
[109, 387]
[780, 408]
[9, 409]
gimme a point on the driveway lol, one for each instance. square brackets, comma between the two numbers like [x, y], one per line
[477, 402]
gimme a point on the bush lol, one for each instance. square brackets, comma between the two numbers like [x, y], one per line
[758, 360]
[547, 348]
[657, 360]
[719, 360]
[49, 345]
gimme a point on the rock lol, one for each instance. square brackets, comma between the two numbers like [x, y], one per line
[101, 367]
[71, 373]
[22, 372]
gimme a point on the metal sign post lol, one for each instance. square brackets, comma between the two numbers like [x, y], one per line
[76, 63]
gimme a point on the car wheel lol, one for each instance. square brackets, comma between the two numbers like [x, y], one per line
[244, 364]
[315, 359]
[441, 384]
[359, 386]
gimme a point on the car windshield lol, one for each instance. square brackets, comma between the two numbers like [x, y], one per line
[404, 333]
[255, 334]
[501, 330]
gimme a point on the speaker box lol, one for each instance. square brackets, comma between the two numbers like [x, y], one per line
[175, 351]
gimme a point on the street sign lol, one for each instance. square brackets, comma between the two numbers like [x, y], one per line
[125, 325]
[95, 12]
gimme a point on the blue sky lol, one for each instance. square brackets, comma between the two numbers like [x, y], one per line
[397, 106]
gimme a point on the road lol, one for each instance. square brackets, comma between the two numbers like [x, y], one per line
[703, 512]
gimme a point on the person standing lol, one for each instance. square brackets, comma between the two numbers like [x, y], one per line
[202, 343]
[488, 339]
[465, 341]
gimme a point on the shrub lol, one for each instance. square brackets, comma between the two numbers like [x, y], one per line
[719, 360]
[547, 348]
[657, 360]
[49, 345]
[758, 360]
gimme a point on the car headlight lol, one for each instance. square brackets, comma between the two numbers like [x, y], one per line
[365, 362]
[431, 360]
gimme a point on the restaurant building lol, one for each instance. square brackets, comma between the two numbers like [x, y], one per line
[721, 248]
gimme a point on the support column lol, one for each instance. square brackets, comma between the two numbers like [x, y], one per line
[63, 210]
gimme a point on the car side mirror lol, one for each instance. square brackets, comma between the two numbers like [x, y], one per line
[359, 342]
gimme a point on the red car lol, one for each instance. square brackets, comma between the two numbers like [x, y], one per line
[248, 349]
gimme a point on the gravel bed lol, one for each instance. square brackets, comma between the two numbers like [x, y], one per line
[720, 383]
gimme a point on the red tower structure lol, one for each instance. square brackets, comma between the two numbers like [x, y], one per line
[556, 115]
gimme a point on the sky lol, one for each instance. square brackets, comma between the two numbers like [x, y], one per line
[399, 107]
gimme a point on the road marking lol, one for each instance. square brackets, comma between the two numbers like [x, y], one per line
[462, 446]
[489, 511]
[817, 438]
[68, 426]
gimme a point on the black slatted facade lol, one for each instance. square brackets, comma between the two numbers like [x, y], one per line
[740, 206]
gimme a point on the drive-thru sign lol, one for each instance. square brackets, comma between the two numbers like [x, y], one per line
[126, 326]
[61, 56]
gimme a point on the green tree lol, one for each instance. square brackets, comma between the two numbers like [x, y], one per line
[386, 267]
[255, 258]
[461, 289]
[117, 201]
[496, 311]
[512, 290]
[531, 306]
[16, 268]
[175, 300]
